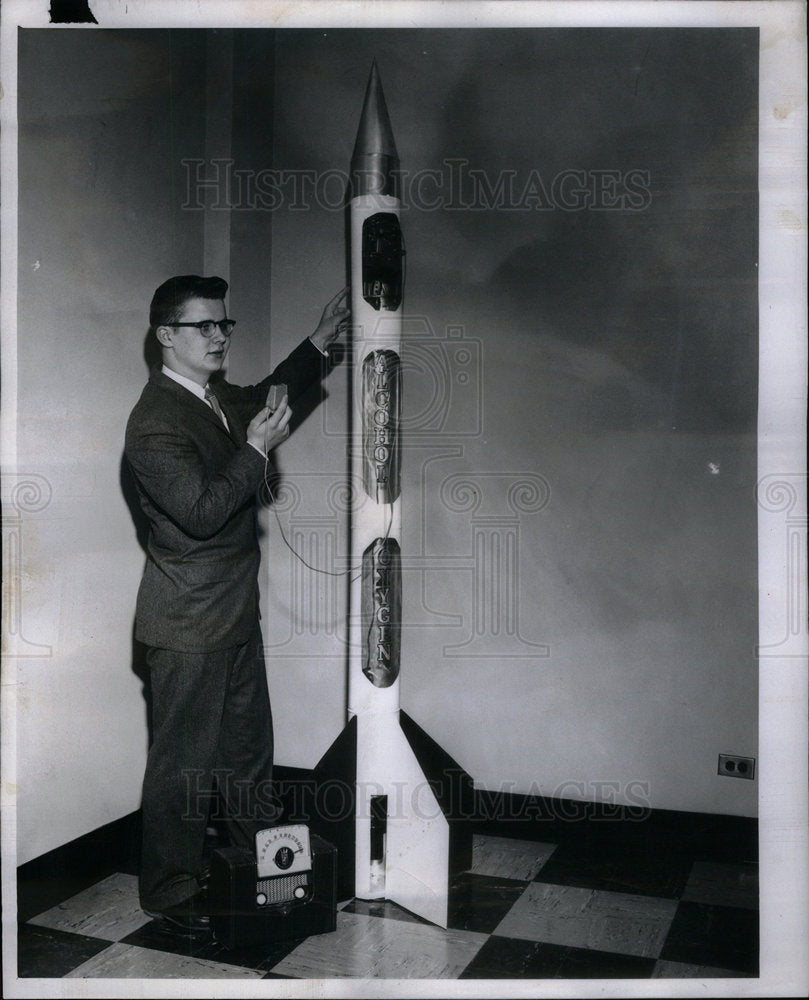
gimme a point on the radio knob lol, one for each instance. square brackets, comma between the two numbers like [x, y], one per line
[261, 898]
[300, 892]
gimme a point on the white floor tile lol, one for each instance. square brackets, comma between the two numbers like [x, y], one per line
[107, 910]
[585, 918]
[370, 947]
[123, 961]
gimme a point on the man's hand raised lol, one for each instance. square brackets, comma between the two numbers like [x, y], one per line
[333, 321]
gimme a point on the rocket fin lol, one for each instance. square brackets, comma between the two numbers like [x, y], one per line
[333, 814]
[417, 852]
[429, 802]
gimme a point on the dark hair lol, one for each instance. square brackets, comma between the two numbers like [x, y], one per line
[172, 295]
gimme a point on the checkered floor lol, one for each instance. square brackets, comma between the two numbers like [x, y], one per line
[525, 910]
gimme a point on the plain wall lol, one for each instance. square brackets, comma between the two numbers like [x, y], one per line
[579, 471]
[580, 392]
[100, 226]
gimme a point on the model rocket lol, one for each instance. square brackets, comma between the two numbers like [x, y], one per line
[408, 795]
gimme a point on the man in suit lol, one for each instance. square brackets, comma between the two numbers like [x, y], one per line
[197, 447]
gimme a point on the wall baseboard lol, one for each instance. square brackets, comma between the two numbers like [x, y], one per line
[51, 878]
[61, 873]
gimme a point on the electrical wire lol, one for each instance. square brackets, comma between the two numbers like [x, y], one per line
[292, 549]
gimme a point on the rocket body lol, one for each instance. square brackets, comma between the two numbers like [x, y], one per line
[401, 849]
[406, 826]
[377, 269]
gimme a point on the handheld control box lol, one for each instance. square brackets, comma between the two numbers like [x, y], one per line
[275, 395]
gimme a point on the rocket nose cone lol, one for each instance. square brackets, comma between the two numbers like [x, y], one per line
[374, 135]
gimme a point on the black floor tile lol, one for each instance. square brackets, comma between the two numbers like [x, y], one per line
[725, 937]
[50, 954]
[479, 902]
[613, 870]
[507, 958]
[35, 896]
[155, 935]
[476, 903]
[581, 963]
[382, 908]
[253, 956]
[158, 936]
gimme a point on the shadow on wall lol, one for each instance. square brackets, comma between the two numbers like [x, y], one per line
[140, 668]
[152, 357]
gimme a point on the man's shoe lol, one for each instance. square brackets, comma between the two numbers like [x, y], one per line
[188, 917]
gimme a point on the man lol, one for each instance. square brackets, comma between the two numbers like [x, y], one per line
[197, 447]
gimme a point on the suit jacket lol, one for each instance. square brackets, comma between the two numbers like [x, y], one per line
[197, 485]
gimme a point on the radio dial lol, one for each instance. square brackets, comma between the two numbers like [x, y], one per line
[283, 850]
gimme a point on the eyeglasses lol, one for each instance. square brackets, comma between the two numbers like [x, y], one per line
[208, 327]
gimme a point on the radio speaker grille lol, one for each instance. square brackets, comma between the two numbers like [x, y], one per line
[281, 888]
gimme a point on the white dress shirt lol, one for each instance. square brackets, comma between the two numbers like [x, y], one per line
[192, 386]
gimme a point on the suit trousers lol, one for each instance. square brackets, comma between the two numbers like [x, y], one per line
[211, 734]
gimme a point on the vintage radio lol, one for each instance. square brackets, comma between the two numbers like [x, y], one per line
[287, 889]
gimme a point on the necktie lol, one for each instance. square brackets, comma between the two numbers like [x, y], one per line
[213, 402]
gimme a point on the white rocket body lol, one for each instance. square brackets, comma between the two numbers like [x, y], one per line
[402, 836]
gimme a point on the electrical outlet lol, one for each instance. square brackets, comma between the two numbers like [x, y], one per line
[737, 767]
